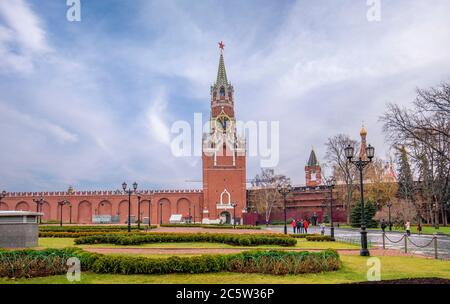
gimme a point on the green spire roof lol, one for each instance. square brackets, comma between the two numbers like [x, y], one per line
[222, 73]
[312, 162]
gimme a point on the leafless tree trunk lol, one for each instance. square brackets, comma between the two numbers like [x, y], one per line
[343, 171]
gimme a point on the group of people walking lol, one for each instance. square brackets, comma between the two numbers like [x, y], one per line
[300, 226]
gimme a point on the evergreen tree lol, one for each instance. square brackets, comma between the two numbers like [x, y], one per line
[369, 213]
[405, 177]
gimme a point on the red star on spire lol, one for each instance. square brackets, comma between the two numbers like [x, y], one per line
[221, 45]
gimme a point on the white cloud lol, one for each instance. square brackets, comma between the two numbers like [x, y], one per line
[21, 36]
[319, 71]
[155, 115]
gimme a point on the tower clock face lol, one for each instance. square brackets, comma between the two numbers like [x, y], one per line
[223, 122]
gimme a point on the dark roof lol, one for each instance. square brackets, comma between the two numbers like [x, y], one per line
[312, 159]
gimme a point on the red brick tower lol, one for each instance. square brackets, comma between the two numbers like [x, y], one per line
[224, 179]
[313, 171]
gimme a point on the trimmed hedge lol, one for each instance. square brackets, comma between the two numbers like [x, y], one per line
[284, 262]
[312, 237]
[212, 226]
[52, 262]
[319, 238]
[100, 228]
[64, 234]
[300, 235]
[232, 239]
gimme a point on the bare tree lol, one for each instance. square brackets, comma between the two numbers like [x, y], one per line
[342, 170]
[265, 197]
[424, 130]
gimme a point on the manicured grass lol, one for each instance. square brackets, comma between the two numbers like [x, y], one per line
[301, 243]
[354, 270]
[425, 229]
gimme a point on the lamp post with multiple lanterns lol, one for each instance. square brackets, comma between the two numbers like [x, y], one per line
[129, 191]
[284, 190]
[39, 202]
[61, 204]
[360, 164]
[331, 182]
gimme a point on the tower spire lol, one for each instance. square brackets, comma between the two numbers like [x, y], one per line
[221, 73]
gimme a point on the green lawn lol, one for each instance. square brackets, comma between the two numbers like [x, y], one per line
[425, 229]
[301, 243]
[354, 270]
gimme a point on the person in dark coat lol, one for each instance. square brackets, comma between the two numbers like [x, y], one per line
[383, 225]
[299, 226]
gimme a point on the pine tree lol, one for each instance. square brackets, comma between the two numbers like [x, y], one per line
[405, 177]
[369, 213]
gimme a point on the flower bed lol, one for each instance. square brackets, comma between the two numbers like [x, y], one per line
[33, 263]
[29, 263]
[232, 239]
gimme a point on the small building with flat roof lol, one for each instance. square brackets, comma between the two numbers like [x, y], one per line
[19, 229]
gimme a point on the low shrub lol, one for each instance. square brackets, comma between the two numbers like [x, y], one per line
[283, 263]
[89, 228]
[33, 263]
[300, 235]
[29, 263]
[232, 239]
[319, 238]
[212, 226]
[64, 234]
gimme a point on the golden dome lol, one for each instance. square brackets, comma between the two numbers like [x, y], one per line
[363, 131]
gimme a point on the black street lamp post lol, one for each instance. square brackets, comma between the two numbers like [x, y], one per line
[70, 214]
[360, 164]
[190, 218]
[331, 182]
[61, 204]
[389, 205]
[149, 212]
[139, 211]
[284, 190]
[129, 191]
[194, 213]
[234, 214]
[160, 213]
[39, 202]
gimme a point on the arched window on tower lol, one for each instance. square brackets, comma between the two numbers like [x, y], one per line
[222, 92]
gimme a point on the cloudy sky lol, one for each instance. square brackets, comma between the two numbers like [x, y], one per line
[91, 103]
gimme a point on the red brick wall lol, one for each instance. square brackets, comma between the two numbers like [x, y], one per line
[88, 203]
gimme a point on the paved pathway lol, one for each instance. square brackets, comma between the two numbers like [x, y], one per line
[195, 251]
[375, 237]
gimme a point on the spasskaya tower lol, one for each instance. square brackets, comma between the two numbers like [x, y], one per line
[223, 157]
